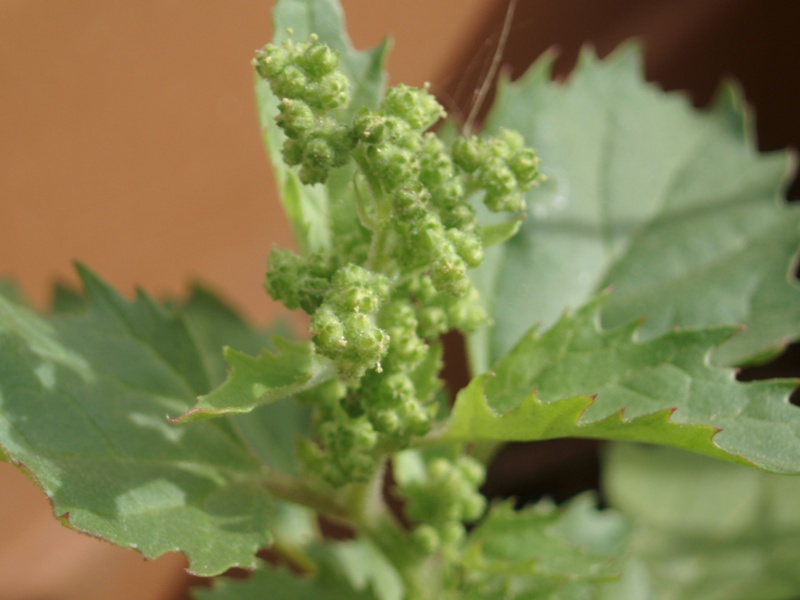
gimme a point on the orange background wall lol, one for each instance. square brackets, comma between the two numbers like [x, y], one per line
[129, 140]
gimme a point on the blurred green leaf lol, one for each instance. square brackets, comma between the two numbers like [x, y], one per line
[708, 529]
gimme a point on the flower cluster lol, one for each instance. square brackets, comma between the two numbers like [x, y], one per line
[305, 78]
[443, 499]
[379, 302]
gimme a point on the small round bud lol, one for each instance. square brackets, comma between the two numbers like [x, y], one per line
[467, 245]
[426, 538]
[468, 153]
[369, 127]
[290, 83]
[295, 117]
[319, 60]
[472, 470]
[328, 332]
[432, 322]
[416, 107]
[332, 91]
[449, 275]
[367, 340]
[452, 532]
[472, 507]
[270, 61]
[385, 420]
[293, 152]
[525, 165]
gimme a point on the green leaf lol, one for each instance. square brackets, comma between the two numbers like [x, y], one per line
[576, 380]
[271, 432]
[318, 213]
[83, 404]
[498, 233]
[708, 529]
[672, 207]
[262, 380]
[544, 551]
[351, 570]
[214, 324]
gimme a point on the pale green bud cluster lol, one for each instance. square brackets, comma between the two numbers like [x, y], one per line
[299, 281]
[379, 301]
[310, 90]
[346, 451]
[344, 326]
[439, 503]
[502, 166]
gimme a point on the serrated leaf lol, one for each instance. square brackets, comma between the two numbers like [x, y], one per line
[345, 570]
[83, 404]
[214, 324]
[546, 552]
[707, 529]
[319, 212]
[255, 381]
[577, 380]
[271, 432]
[672, 207]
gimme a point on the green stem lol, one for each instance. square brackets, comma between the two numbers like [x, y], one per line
[298, 491]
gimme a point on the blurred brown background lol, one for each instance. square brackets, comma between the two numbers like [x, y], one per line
[128, 141]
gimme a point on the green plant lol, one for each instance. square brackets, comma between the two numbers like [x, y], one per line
[401, 236]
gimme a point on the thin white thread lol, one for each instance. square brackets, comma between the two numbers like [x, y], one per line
[480, 96]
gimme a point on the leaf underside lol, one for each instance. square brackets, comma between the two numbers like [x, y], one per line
[83, 403]
[672, 208]
[707, 529]
[577, 380]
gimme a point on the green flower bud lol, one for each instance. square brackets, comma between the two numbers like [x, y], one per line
[332, 91]
[467, 245]
[293, 152]
[449, 275]
[507, 139]
[328, 332]
[452, 533]
[295, 118]
[270, 61]
[465, 313]
[409, 205]
[290, 83]
[432, 322]
[426, 538]
[468, 153]
[417, 419]
[385, 421]
[472, 470]
[369, 127]
[461, 217]
[525, 165]
[367, 340]
[318, 152]
[393, 166]
[435, 166]
[472, 507]
[416, 107]
[319, 60]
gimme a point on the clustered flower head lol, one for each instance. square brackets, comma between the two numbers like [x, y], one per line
[439, 502]
[379, 300]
